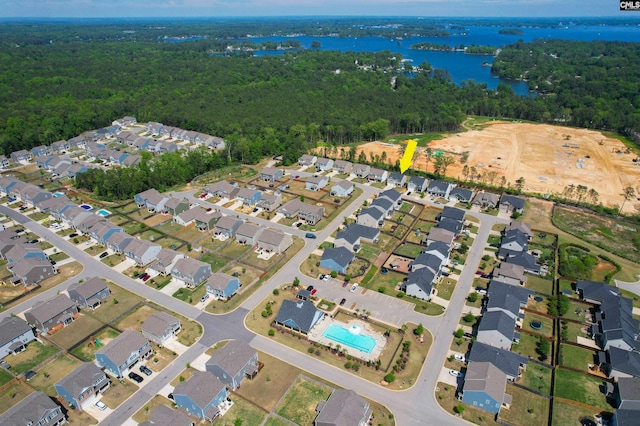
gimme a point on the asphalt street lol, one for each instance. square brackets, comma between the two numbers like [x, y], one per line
[415, 406]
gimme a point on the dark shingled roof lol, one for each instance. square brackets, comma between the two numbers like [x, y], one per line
[10, 328]
[625, 361]
[516, 202]
[232, 356]
[500, 321]
[506, 361]
[341, 255]
[301, 313]
[344, 408]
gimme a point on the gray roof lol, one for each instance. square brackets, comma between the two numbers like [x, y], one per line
[202, 388]
[499, 321]
[341, 255]
[173, 202]
[272, 236]
[247, 193]
[627, 417]
[525, 228]
[629, 388]
[227, 222]
[157, 323]
[344, 408]
[28, 411]
[43, 311]
[521, 293]
[165, 416]
[373, 212]
[452, 213]
[248, 230]
[428, 260]
[270, 171]
[440, 234]
[506, 361]
[625, 361]
[516, 202]
[219, 280]
[423, 278]
[316, 180]
[450, 225]
[302, 313]
[383, 203]
[438, 185]
[188, 266]
[484, 376]
[24, 266]
[166, 256]
[439, 247]
[398, 177]
[461, 193]
[232, 357]
[486, 198]
[510, 270]
[10, 328]
[119, 349]
[505, 301]
[81, 378]
[90, 287]
[390, 194]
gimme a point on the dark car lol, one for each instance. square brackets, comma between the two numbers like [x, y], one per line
[310, 235]
[344, 284]
[53, 262]
[135, 377]
[73, 235]
[310, 288]
[343, 301]
[142, 275]
[29, 375]
[146, 278]
[255, 210]
[33, 241]
[170, 396]
[336, 200]
[146, 370]
[103, 255]
[19, 231]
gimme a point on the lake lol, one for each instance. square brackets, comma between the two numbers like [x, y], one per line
[461, 66]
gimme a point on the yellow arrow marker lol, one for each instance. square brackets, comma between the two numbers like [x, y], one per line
[407, 158]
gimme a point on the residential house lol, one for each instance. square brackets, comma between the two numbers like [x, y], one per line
[249, 197]
[452, 213]
[151, 199]
[165, 262]
[165, 416]
[4, 162]
[31, 195]
[315, 183]
[438, 249]
[74, 216]
[233, 362]
[627, 393]
[190, 272]
[22, 156]
[160, 327]
[625, 417]
[461, 195]
[348, 238]
[300, 316]
[343, 408]
[371, 216]
[175, 206]
[436, 234]
[73, 171]
[336, 259]
[438, 188]
[342, 167]
[510, 273]
[617, 363]
[51, 314]
[24, 251]
[40, 151]
[102, 230]
[90, 293]
[419, 284]
[270, 202]
[324, 164]
[497, 328]
[310, 214]
[377, 175]
[510, 204]
[484, 387]
[222, 286]
[131, 160]
[141, 143]
[450, 225]
[527, 260]
[127, 138]
[397, 179]
[15, 334]
[344, 188]
[203, 395]
[523, 294]
[513, 242]
[227, 227]
[271, 174]
[222, 189]
[486, 200]
[307, 160]
[417, 184]
[384, 205]
[55, 206]
[361, 170]
[6, 182]
[123, 352]
[77, 142]
[60, 147]
[431, 261]
[141, 251]
[206, 220]
[154, 128]
[81, 387]
[35, 409]
[510, 363]
[31, 271]
[274, 241]
[248, 233]
[118, 241]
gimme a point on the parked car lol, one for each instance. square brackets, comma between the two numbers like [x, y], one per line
[103, 255]
[481, 290]
[146, 370]
[29, 375]
[142, 275]
[455, 373]
[310, 288]
[135, 377]
[53, 262]
[354, 288]
[145, 279]
[469, 335]
[204, 297]
[73, 235]
[314, 291]
[297, 224]
[101, 405]
[33, 241]
[326, 277]
[343, 301]
[310, 235]
[459, 357]
[408, 193]
[5, 364]
[344, 284]
[22, 230]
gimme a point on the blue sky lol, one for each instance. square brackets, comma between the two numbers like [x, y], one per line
[247, 8]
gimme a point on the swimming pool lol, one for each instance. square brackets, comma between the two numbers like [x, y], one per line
[86, 207]
[103, 212]
[350, 337]
[58, 194]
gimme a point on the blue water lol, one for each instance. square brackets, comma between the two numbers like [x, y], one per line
[344, 337]
[58, 194]
[103, 212]
[86, 207]
[461, 67]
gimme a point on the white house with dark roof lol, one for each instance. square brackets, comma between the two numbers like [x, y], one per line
[90, 293]
[60, 147]
[342, 189]
[307, 160]
[300, 316]
[233, 362]
[324, 164]
[165, 262]
[377, 175]
[361, 170]
[398, 180]
[419, 284]
[343, 408]
[37, 408]
[461, 194]
[15, 334]
[81, 387]
[160, 327]
[371, 216]
[315, 183]
[417, 184]
[190, 272]
[21, 156]
[392, 195]
[4, 162]
[509, 204]
[123, 352]
[439, 188]
[51, 314]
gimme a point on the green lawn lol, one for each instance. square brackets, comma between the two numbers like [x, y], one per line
[247, 412]
[5, 376]
[547, 324]
[571, 415]
[537, 377]
[388, 281]
[35, 353]
[369, 252]
[446, 287]
[539, 284]
[527, 408]
[527, 346]
[216, 262]
[575, 357]
[580, 387]
[408, 250]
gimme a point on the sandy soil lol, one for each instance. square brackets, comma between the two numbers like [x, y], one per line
[548, 157]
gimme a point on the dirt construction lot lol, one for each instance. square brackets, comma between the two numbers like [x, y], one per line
[548, 157]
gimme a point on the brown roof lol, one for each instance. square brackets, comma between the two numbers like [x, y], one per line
[90, 287]
[48, 309]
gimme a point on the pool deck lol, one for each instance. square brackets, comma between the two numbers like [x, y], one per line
[316, 335]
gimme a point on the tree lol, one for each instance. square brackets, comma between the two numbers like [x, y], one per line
[418, 330]
[459, 333]
[296, 282]
[628, 193]
[544, 348]
[473, 297]
[469, 317]
[390, 378]
[459, 409]
[520, 184]
[563, 304]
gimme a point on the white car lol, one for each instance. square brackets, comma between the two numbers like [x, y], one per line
[459, 357]
[101, 405]
[353, 288]
[481, 290]
[455, 373]
[325, 277]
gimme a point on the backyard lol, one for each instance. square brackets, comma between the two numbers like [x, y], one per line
[581, 388]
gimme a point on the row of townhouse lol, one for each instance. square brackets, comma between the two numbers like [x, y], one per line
[249, 197]
[170, 132]
[26, 261]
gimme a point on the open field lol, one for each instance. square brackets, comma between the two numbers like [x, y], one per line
[536, 152]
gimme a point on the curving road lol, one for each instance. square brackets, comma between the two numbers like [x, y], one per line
[415, 406]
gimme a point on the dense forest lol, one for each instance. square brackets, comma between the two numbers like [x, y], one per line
[59, 80]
